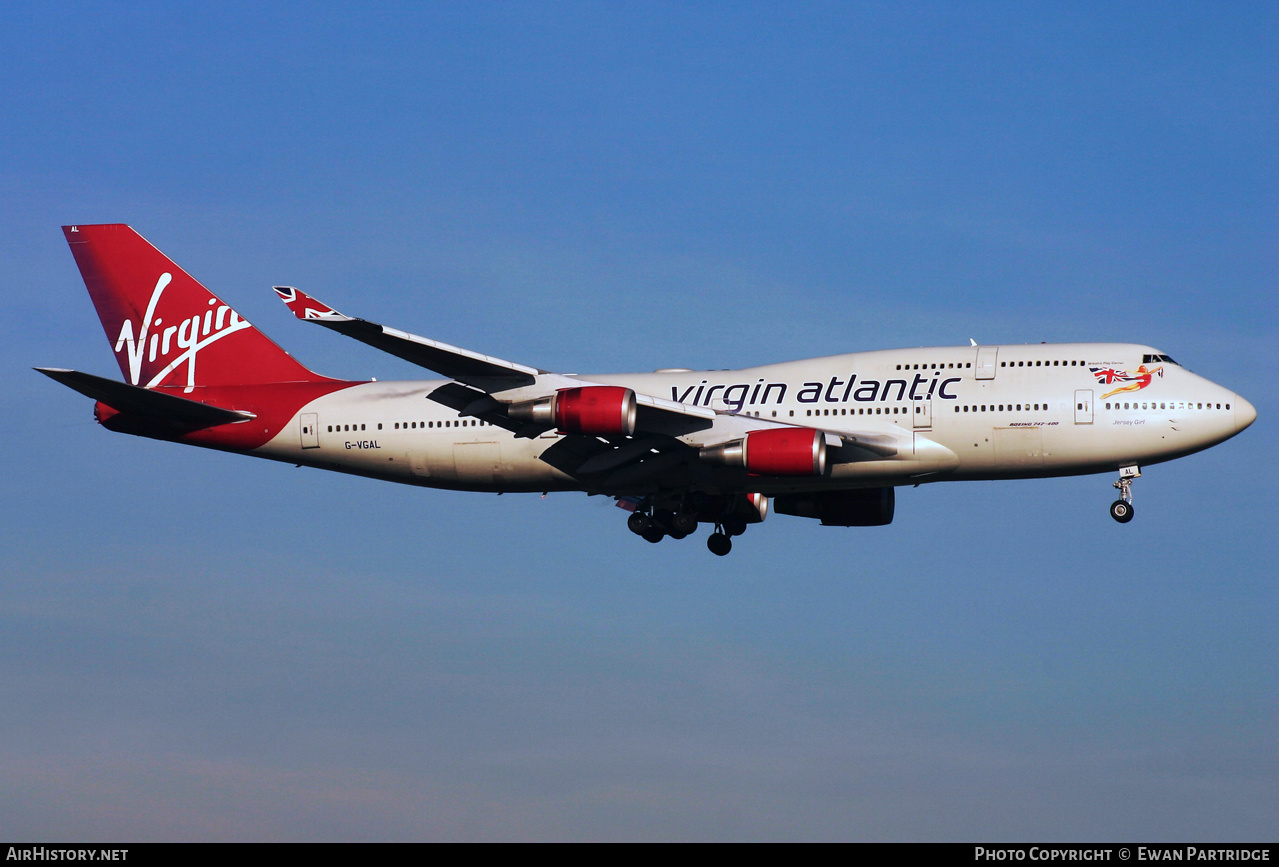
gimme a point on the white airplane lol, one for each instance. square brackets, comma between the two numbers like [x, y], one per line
[824, 438]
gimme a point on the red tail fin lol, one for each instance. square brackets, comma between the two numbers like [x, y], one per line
[167, 329]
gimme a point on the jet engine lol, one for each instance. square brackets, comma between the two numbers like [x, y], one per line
[597, 410]
[773, 452]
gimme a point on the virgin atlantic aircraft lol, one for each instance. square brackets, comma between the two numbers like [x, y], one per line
[823, 438]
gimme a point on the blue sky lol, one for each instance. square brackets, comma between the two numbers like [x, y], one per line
[203, 646]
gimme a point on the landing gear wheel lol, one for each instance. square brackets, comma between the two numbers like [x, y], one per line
[734, 526]
[639, 523]
[653, 534]
[683, 523]
[1121, 511]
[719, 544]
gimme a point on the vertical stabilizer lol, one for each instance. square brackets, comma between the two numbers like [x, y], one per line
[164, 327]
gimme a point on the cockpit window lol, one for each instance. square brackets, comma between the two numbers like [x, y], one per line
[1153, 359]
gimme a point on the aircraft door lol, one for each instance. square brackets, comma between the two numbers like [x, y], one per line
[309, 429]
[923, 414]
[1083, 406]
[986, 364]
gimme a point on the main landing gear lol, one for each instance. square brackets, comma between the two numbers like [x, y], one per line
[661, 524]
[1121, 509]
[721, 541]
[656, 525]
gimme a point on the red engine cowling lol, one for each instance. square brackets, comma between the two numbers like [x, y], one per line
[786, 452]
[603, 410]
[774, 452]
[754, 507]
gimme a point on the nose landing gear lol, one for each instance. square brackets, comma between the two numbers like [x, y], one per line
[1121, 509]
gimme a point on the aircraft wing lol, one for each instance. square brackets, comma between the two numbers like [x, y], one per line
[483, 371]
[481, 375]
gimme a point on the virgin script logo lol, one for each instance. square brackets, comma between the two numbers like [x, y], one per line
[155, 341]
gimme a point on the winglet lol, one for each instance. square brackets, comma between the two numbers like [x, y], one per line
[306, 307]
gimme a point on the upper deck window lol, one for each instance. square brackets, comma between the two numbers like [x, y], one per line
[1154, 359]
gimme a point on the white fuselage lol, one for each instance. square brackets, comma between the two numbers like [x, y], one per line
[953, 412]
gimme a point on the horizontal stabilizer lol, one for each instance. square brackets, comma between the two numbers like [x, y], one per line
[135, 400]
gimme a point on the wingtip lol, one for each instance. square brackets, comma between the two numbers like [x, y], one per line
[305, 307]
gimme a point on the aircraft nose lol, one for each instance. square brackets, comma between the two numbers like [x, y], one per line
[1245, 413]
